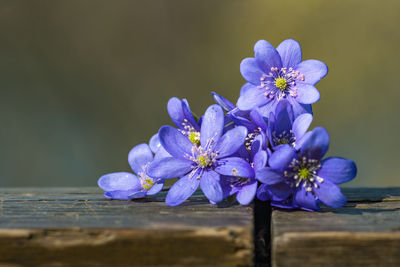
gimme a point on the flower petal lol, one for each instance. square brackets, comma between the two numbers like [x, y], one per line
[284, 117]
[299, 108]
[280, 191]
[290, 52]
[246, 195]
[226, 185]
[338, 170]
[258, 119]
[266, 56]
[306, 93]
[174, 108]
[138, 194]
[250, 71]
[211, 187]
[118, 181]
[154, 143]
[176, 144]
[251, 98]
[258, 144]
[228, 123]
[330, 194]
[169, 167]
[306, 200]
[238, 120]
[223, 102]
[183, 189]
[316, 145]
[301, 125]
[313, 70]
[212, 125]
[161, 153]
[234, 167]
[263, 193]
[231, 141]
[281, 158]
[268, 107]
[156, 188]
[242, 152]
[123, 194]
[188, 115]
[139, 156]
[299, 142]
[246, 87]
[269, 176]
[260, 160]
[288, 204]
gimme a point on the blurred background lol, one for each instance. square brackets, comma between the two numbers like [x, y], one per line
[82, 82]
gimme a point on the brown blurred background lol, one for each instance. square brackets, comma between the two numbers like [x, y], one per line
[82, 82]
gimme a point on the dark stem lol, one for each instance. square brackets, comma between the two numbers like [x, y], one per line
[262, 233]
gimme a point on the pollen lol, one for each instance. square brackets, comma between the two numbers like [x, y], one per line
[283, 141]
[148, 183]
[194, 137]
[304, 173]
[203, 161]
[280, 83]
[235, 172]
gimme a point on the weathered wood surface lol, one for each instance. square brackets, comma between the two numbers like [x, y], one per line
[366, 232]
[79, 227]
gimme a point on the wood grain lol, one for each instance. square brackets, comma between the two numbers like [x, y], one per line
[366, 232]
[79, 227]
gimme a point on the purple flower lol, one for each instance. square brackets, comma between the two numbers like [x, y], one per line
[125, 185]
[276, 74]
[312, 179]
[201, 164]
[284, 128]
[245, 188]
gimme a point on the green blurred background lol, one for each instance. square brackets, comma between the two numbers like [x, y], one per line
[84, 81]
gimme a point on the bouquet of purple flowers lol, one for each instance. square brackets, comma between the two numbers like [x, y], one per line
[259, 148]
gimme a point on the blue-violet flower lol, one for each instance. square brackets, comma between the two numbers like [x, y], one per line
[311, 179]
[284, 128]
[201, 164]
[125, 185]
[276, 74]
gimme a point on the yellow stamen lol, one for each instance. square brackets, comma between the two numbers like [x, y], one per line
[194, 137]
[304, 173]
[280, 83]
[149, 184]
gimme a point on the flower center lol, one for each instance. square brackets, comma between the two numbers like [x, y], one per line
[303, 172]
[194, 137]
[280, 83]
[203, 161]
[204, 157]
[283, 141]
[285, 137]
[146, 181]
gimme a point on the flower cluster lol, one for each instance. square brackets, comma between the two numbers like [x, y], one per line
[259, 148]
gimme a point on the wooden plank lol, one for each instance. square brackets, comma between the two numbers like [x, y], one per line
[366, 232]
[368, 194]
[79, 227]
